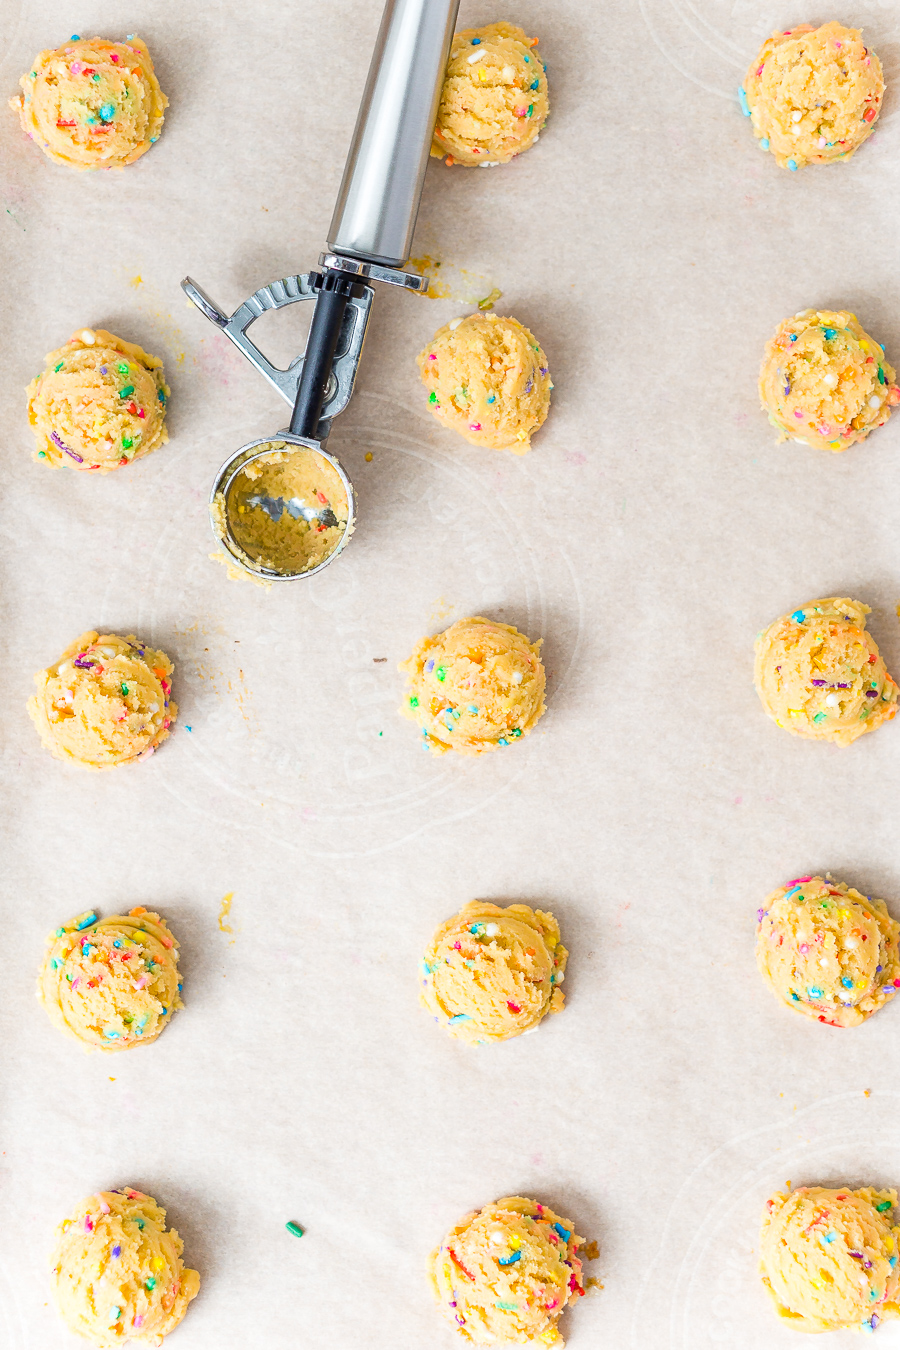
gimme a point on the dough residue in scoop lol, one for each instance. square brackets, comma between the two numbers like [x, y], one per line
[106, 701]
[286, 510]
[477, 686]
[99, 404]
[827, 951]
[487, 379]
[825, 382]
[111, 983]
[117, 1271]
[506, 1272]
[492, 972]
[813, 94]
[92, 104]
[819, 674]
[829, 1257]
[494, 100]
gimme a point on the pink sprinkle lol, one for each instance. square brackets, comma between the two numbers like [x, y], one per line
[138, 1321]
[838, 45]
[432, 357]
[520, 112]
[798, 881]
[803, 948]
[114, 57]
[141, 413]
[798, 412]
[102, 1203]
[76, 67]
[88, 1226]
[76, 982]
[822, 142]
[474, 426]
[139, 984]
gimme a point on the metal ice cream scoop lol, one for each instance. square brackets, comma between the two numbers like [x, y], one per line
[369, 240]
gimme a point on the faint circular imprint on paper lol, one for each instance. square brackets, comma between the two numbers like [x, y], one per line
[292, 697]
[702, 1289]
[712, 42]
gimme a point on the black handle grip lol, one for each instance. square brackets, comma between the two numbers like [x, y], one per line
[333, 291]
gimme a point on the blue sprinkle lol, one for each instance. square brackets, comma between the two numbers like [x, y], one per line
[879, 969]
[476, 42]
[117, 1250]
[798, 616]
[792, 165]
[460, 1017]
[503, 741]
[165, 1010]
[892, 1261]
[107, 111]
[56, 963]
[764, 143]
[527, 60]
[814, 991]
[111, 1035]
[86, 921]
[564, 1233]
[117, 943]
[509, 1260]
[847, 982]
[472, 708]
[429, 665]
[794, 889]
[189, 728]
[795, 997]
[74, 38]
[829, 333]
[491, 398]
[742, 99]
[180, 987]
[535, 84]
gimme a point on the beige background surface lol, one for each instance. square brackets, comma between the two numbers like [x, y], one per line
[652, 531]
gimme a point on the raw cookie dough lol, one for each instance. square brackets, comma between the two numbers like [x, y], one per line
[474, 687]
[494, 100]
[111, 983]
[107, 700]
[117, 1271]
[819, 674]
[92, 104]
[824, 381]
[813, 94]
[829, 1258]
[505, 1273]
[100, 403]
[827, 951]
[488, 379]
[491, 973]
[270, 506]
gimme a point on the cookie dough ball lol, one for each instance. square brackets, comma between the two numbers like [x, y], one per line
[117, 1271]
[829, 1258]
[106, 701]
[825, 382]
[813, 94]
[111, 983]
[491, 973]
[494, 100]
[92, 104]
[477, 686]
[828, 951]
[100, 403]
[506, 1272]
[487, 378]
[819, 674]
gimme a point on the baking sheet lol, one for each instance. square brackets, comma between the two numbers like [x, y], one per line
[652, 531]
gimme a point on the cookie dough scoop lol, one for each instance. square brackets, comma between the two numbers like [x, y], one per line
[111, 983]
[819, 674]
[494, 972]
[829, 1258]
[117, 1271]
[506, 1272]
[369, 240]
[827, 951]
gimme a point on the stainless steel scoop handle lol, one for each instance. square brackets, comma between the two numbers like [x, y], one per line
[377, 205]
[276, 295]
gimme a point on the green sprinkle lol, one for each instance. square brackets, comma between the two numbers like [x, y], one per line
[122, 367]
[820, 717]
[150, 1284]
[58, 367]
[59, 932]
[127, 442]
[432, 397]
[140, 1223]
[885, 1204]
[881, 375]
[126, 390]
[294, 1228]
[114, 1314]
[516, 731]
[441, 673]
[56, 963]
[124, 688]
[507, 1307]
[42, 454]
[530, 109]
[95, 77]
[413, 702]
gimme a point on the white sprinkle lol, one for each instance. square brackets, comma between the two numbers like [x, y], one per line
[476, 56]
[850, 943]
[517, 677]
[154, 707]
[489, 164]
[830, 380]
[108, 652]
[492, 930]
[874, 401]
[795, 116]
[832, 701]
[560, 976]
[88, 337]
[498, 1237]
[454, 324]
[508, 73]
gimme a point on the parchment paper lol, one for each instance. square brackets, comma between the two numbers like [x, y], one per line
[652, 531]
